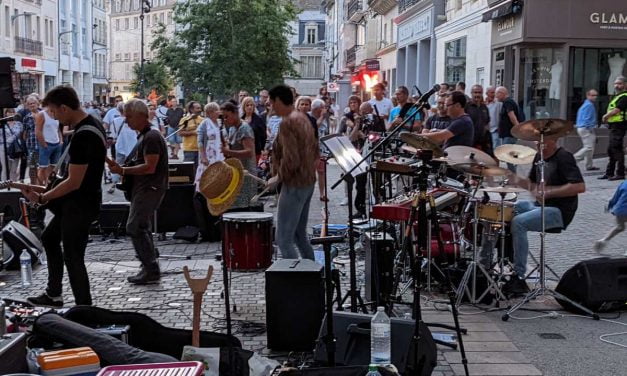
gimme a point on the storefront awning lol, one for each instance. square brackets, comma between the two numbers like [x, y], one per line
[497, 12]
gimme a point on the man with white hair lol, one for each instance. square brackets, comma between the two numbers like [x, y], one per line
[147, 165]
[508, 119]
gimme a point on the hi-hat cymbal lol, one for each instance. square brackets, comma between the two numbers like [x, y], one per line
[413, 150]
[422, 143]
[479, 169]
[515, 154]
[466, 154]
[552, 129]
[502, 189]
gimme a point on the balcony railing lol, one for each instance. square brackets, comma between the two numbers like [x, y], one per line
[354, 9]
[28, 46]
[351, 55]
[403, 5]
[382, 6]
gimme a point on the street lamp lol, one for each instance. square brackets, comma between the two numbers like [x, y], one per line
[60, 78]
[145, 8]
[13, 17]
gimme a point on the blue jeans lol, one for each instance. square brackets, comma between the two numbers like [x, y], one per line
[496, 140]
[49, 155]
[291, 228]
[527, 218]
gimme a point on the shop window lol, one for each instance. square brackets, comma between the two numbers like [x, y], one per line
[541, 74]
[455, 60]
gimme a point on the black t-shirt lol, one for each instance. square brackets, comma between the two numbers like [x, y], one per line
[87, 148]
[560, 168]
[258, 124]
[462, 130]
[174, 116]
[480, 119]
[505, 125]
[150, 141]
[438, 122]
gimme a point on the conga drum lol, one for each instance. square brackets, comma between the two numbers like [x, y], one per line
[247, 240]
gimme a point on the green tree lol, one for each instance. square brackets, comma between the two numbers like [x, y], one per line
[156, 77]
[221, 46]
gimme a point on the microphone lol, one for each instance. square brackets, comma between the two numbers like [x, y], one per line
[429, 93]
[16, 117]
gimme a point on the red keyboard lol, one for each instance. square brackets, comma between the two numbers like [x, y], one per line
[399, 208]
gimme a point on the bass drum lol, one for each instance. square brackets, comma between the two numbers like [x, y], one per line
[247, 239]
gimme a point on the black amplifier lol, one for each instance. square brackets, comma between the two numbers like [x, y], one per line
[380, 254]
[181, 172]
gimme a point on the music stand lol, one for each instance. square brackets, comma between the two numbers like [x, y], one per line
[352, 165]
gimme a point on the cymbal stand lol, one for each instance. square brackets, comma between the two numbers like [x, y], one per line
[473, 266]
[502, 239]
[543, 290]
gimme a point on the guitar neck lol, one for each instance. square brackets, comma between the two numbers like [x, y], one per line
[32, 187]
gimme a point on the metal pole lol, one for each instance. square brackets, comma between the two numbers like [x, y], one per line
[141, 62]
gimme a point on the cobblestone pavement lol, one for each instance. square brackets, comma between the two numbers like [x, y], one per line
[494, 347]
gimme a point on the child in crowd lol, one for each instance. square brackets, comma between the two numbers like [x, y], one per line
[618, 207]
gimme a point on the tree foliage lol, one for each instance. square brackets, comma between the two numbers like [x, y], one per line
[156, 78]
[221, 46]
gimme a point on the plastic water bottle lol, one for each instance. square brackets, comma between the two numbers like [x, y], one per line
[373, 370]
[26, 269]
[380, 338]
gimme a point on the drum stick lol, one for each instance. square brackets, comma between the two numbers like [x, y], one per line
[255, 178]
[256, 197]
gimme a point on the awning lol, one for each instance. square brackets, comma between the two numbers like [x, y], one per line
[498, 12]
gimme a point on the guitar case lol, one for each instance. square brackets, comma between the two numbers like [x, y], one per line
[147, 334]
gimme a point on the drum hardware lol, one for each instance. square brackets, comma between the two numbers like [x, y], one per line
[540, 130]
[422, 143]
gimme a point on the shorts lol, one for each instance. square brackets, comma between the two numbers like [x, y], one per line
[49, 155]
[33, 159]
[176, 139]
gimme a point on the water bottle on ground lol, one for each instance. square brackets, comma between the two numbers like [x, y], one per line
[373, 370]
[26, 268]
[380, 338]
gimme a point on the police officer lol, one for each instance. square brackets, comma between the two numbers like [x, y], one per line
[616, 118]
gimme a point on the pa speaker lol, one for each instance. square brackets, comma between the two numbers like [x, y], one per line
[599, 284]
[10, 201]
[16, 238]
[9, 95]
[177, 208]
[294, 304]
[352, 333]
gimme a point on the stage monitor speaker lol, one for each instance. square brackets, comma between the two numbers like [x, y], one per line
[9, 94]
[598, 284]
[379, 248]
[16, 238]
[352, 333]
[10, 201]
[177, 208]
[13, 353]
[294, 304]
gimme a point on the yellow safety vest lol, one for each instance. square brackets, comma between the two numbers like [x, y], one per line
[619, 117]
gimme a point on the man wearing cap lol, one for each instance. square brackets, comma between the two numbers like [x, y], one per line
[295, 153]
[147, 166]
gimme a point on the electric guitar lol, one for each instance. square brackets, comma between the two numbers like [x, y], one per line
[53, 205]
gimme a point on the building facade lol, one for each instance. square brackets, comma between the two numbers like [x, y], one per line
[28, 34]
[386, 12]
[125, 39]
[307, 46]
[100, 24]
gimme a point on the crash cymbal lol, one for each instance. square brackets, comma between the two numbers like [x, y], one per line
[422, 143]
[515, 154]
[552, 128]
[478, 169]
[413, 150]
[502, 190]
[466, 154]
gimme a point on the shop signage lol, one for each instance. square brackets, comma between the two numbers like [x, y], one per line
[609, 20]
[505, 25]
[29, 63]
[372, 65]
[416, 28]
[333, 87]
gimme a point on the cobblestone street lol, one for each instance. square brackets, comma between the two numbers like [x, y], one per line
[494, 347]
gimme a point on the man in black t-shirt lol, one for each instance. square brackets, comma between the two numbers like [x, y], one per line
[510, 113]
[439, 121]
[75, 201]
[563, 182]
[478, 112]
[460, 132]
[147, 165]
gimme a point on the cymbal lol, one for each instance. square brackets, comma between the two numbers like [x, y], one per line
[413, 150]
[466, 154]
[478, 169]
[502, 189]
[422, 143]
[552, 129]
[515, 154]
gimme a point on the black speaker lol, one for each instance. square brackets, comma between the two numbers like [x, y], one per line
[380, 253]
[181, 172]
[9, 94]
[352, 333]
[16, 238]
[13, 353]
[177, 208]
[599, 284]
[10, 201]
[112, 218]
[294, 304]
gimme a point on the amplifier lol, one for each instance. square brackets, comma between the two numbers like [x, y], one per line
[10, 202]
[294, 304]
[112, 218]
[181, 172]
[380, 253]
[13, 353]
[177, 208]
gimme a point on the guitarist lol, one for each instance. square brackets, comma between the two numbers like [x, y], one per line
[147, 165]
[76, 199]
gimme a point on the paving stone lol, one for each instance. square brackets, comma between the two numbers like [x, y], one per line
[477, 357]
[497, 369]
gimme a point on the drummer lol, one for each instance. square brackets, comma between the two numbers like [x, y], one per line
[563, 183]
[460, 131]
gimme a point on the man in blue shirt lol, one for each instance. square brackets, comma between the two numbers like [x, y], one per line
[586, 122]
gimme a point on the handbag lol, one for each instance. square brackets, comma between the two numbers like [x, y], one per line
[17, 148]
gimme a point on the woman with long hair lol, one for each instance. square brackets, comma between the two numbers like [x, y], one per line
[256, 122]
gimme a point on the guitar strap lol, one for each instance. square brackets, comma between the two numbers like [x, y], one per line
[64, 156]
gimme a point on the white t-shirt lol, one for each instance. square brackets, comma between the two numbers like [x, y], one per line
[384, 106]
[111, 114]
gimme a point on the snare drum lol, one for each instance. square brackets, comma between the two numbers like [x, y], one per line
[450, 243]
[491, 211]
[247, 238]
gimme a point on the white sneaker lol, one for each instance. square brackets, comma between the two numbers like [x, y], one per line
[599, 245]
[344, 202]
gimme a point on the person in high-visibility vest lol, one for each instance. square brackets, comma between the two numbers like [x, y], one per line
[616, 118]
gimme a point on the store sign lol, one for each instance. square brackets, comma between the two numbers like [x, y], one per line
[372, 65]
[415, 29]
[333, 87]
[617, 21]
[29, 63]
[507, 29]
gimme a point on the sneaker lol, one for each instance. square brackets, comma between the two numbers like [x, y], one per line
[515, 287]
[111, 189]
[44, 300]
[145, 278]
[599, 245]
[616, 177]
[604, 177]
[592, 168]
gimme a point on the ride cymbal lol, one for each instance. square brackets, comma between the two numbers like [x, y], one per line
[466, 154]
[502, 190]
[515, 154]
[480, 169]
[422, 143]
[552, 129]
